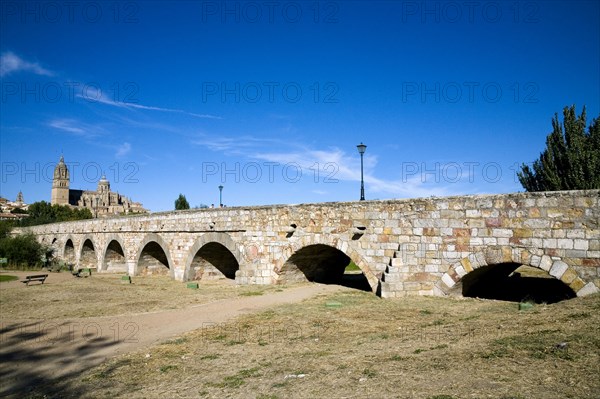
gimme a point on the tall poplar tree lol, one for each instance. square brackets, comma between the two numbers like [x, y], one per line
[571, 160]
[181, 203]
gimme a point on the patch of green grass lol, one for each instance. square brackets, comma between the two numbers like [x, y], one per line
[280, 384]
[177, 341]
[265, 396]
[539, 345]
[419, 350]
[164, 369]
[370, 373]
[6, 277]
[442, 397]
[442, 346]
[209, 357]
[398, 358]
[109, 371]
[253, 372]
[238, 379]
[232, 381]
[251, 293]
[425, 312]
[580, 315]
[269, 314]
[352, 267]
[495, 353]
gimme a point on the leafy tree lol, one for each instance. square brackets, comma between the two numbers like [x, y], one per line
[42, 213]
[24, 251]
[571, 160]
[181, 203]
[5, 228]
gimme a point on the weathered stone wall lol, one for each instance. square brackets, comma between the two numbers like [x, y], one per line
[404, 247]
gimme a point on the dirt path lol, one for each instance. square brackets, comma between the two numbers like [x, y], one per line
[38, 352]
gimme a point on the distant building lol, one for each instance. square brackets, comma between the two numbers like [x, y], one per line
[101, 202]
[7, 207]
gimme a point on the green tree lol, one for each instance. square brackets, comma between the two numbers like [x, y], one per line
[571, 160]
[5, 228]
[181, 203]
[24, 251]
[43, 212]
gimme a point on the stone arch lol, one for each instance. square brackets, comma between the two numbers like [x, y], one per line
[451, 281]
[54, 247]
[68, 251]
[153, 256]
[214, 255]
[114, 255]
[88, 254]
[332, 242]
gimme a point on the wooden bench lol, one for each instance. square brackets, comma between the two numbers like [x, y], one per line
[37, 277]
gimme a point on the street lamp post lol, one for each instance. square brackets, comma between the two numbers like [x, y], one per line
[220, 196]
[361, 150]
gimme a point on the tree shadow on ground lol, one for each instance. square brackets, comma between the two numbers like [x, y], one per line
[43, 358]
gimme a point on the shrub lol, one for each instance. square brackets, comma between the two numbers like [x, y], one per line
[24, 252]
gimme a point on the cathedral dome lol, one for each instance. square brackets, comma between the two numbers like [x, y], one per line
[61, 171]
[103, 184]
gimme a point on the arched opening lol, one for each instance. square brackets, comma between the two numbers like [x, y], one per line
[213, 262]
[114, 258]
[323, 264]
[516, 283]
[88, 257]
[153, 260]
[69, 253]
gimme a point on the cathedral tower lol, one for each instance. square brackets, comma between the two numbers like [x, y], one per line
[60, 184]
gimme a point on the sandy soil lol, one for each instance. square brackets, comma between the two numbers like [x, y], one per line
[37, 351]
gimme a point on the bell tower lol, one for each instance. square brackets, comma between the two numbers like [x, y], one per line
[60, 184]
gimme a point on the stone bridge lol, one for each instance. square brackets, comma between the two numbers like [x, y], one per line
[428, 246]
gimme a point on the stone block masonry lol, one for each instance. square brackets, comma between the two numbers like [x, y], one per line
[404, 247]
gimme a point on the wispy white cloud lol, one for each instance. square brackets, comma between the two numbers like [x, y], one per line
[233, 145]
[12, 63]
[70, 126]
[123, 150]
[332, 165]
[99, 97]
[79, 128]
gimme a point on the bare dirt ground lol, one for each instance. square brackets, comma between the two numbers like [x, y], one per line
[37, 349]
[307, 341]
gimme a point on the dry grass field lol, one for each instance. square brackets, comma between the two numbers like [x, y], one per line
[65, 296]
[349, 344]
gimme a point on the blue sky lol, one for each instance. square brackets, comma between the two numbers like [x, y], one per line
[270, 99]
